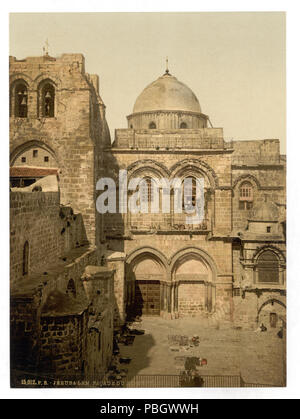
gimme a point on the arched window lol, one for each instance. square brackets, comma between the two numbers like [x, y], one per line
[268, 267]
[183, 125]
[189, 198]
[147, 194]
[246, 196]
[71, 289]
[25, 258]
[48, 100]
[152, 125]
[20, 99]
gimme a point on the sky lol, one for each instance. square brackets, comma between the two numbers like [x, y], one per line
[234, 62]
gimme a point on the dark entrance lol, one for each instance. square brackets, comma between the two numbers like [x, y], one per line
[147, 298]
[273, 319]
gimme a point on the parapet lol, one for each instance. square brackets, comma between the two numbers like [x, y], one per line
[202, 138]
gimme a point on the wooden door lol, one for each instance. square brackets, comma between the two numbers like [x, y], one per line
[147, 297]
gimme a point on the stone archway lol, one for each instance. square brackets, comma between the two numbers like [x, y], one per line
[31, 161]
[193, 284]
[272, 313]
[146, 274]
[24, 148]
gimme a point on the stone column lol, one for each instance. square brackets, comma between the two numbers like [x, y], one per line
[213, 297]
[169, 299]
[176, 300]
[165, 298]
[132, 286]
[116, 260]
[172, 299]
[162, 286]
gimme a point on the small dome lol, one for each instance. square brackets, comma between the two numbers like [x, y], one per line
[267, 211]
[167, 94]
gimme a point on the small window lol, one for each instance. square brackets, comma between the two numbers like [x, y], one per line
[246, 196]
[46, 159]
[268, 229]
[35, 153]
[23, 159]
[183, 125]
[246, 191]
[152, 125]
[25, 258]
[236, 292]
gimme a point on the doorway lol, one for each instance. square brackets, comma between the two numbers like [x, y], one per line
[273, 319]
[147, 297]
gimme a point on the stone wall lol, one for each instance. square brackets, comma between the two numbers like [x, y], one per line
[34, 218]
[50, 230]
[116, 261]
[62, 344]
[35, 157]
[23, 332]
[61, 332]
[191, 299]
[98, 283]
[256, 152]
[53, 317]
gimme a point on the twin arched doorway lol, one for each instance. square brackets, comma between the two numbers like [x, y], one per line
[183, 286]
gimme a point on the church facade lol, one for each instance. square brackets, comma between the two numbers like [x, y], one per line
[231, 265]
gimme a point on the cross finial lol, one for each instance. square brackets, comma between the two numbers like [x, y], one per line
[167, 73]
[167, 65]
[46, 47]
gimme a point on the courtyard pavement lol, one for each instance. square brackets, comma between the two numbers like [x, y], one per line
[258, 357]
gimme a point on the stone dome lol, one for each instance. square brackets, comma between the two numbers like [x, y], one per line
[167, 94]
[267, 211]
